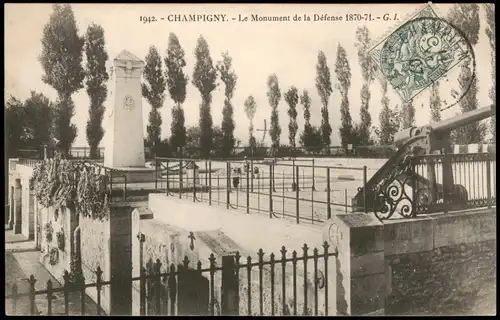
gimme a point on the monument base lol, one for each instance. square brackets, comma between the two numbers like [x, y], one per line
[133, 174]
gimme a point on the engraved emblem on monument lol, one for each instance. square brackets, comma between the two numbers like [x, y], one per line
[333, 234]
[128, 103]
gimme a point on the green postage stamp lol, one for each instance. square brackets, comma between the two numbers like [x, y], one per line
[420, 52]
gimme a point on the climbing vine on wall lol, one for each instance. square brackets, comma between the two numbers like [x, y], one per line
[59, 182]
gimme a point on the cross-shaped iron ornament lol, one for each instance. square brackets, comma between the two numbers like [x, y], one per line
[192, 237]
[263, 130]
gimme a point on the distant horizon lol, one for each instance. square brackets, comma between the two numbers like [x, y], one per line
[258, 49]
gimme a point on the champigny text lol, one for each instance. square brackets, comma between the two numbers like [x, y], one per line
[196, 18]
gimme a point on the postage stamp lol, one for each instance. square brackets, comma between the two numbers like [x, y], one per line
[420, 52]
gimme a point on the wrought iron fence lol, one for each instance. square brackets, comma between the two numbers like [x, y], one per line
[285, 188]
[165, 293]
[84, 153]
[48, 152]
[30, 162]
[294, 188]
[461, 181]
[438, 183]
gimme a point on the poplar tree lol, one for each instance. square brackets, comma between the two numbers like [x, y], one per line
[490, 33]
[250, 109]
[176, 83]
[153, 89]
[204, 79]
[310, 138]
[407, 115]
[61, 60]
[324, 87]
[343, 72]
[274, 97]
[389, 119]
[435, 103]
[466, 18]
[96, 78]
[367, 70]
[228, 76]
[292, 98]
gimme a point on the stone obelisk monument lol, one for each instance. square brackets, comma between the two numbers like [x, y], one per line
[125, 145]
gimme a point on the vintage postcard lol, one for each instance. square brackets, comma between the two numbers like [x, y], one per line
[250, 159]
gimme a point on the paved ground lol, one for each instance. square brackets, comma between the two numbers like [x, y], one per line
[21, 261]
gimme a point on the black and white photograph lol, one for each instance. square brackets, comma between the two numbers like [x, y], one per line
[250, 159]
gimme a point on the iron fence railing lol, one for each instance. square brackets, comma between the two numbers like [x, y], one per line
[437, 183]
[294, 188]
[74, 153]
[285, 188]
[164, 293]
[30, 162]
[472, 183]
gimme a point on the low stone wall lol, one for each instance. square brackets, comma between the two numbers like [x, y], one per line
[434, 264]
[447, 278]
[439, 263]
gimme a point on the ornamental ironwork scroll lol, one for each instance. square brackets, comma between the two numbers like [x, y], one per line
[391, 194]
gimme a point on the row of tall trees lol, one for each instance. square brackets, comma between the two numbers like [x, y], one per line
[64, 51]
[312, 137]
[391, 119]
[205, 76]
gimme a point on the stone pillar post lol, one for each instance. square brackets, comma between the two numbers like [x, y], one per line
[38, 223]
[18, 210]
[121, 258]
[31, 214]
[12, 216]
[25, 189]
[359, 239]
[229, 287]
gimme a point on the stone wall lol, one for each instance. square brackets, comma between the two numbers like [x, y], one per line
[59, 220]
[444, 279]
[449, 255]
[94, 238]
[94, 246]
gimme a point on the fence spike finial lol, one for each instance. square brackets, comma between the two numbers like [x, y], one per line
[186, 262]
[98, 271]
[326, 245]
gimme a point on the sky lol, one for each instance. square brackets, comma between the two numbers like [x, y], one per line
[287, 48]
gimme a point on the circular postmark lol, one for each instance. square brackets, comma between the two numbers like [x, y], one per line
[427, 51]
